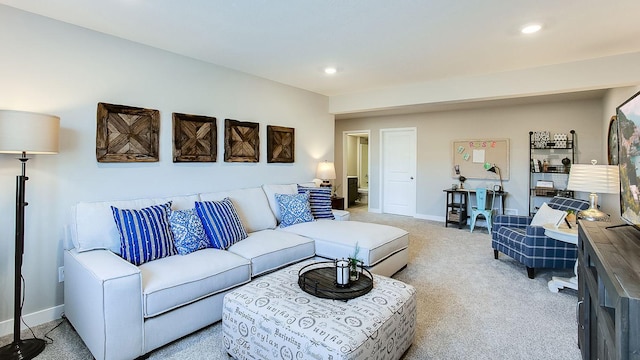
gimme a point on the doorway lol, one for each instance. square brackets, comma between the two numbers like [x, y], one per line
[356, 167]
[398, 171]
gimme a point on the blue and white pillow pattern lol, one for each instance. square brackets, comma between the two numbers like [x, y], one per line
[319, 201]
[145, 234]
[188, 232]
[294, 208]
[221, 222]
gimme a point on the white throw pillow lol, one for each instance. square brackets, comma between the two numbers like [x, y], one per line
[547, 215]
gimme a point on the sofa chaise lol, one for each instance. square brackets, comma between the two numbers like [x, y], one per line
[124, 311]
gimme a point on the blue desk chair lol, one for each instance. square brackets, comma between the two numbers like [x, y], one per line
[481, 208]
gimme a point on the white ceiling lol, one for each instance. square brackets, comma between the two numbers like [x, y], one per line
[373, 43]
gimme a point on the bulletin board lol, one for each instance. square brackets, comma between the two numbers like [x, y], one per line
[474, 157]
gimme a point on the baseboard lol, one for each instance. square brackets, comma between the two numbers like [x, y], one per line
[430, 217]
[33, 319]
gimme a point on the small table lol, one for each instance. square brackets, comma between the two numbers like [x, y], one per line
[337, 203]
[565, 234]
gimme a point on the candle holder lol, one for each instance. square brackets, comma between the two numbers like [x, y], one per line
[342, 273]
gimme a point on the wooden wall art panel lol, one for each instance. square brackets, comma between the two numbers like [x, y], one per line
[280, 144]
[194, 138]
[127, 134]
[241, 141]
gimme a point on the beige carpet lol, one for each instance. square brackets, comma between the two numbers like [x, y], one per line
[470, 306]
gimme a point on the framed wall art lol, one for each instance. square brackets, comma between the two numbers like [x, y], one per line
[194, 138]
[127, 134]
[280, 144]
[241, 141]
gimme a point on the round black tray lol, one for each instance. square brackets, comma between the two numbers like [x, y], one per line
[319, 279]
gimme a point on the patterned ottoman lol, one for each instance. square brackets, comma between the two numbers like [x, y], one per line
[272, 318]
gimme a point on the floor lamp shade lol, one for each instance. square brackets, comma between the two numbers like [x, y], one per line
[24, 133]
[28, 132]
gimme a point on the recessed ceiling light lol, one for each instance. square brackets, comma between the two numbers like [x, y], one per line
[330, 70]
[530, 29]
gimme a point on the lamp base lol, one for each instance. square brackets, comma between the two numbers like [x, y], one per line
[22, 350]
[325, 183]
[592, 214]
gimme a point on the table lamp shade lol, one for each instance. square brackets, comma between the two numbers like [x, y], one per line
[28, 132]
[603, 179]
[326, 171]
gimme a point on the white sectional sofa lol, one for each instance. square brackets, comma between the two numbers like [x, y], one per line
[123, 311]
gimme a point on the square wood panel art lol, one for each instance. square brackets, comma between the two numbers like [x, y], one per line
[280, 144]
[194, 138]
[127, 134]
[241, 141]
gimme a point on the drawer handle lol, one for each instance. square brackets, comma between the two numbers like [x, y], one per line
[578, 306]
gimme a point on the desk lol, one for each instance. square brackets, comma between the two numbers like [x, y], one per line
[457, 202]
[563, 233]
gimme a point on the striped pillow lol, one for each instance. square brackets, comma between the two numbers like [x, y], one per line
[145, 234]
[319, 200]
[221, 222]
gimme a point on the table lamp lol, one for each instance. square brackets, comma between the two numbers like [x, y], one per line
[594, 179]
[496, 170]
[24, 133]
[326, 171]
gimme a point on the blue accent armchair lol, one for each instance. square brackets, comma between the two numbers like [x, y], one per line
[513, 236]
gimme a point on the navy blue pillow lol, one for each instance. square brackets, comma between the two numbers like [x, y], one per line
[221, 222]
[145, 234]
[319, 201]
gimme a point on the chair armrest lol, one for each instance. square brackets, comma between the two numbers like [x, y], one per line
[103, 301]
[517, 221]
[535, 231]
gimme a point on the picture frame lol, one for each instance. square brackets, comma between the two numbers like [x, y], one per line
[280, 144]
[127, 134]
[194, 138]
[612, 141]
[241, 141]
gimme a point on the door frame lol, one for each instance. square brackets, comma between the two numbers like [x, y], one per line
[414, 131]
[345, 135]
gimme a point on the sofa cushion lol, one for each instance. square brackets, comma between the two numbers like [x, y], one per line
[319, 201]
[294, 208]
[145, 234]
[188, 232]
[337, 239]
[221, 222]
[270, 249]
[92, 226]
[252, 207]
[175, 281]
[270, 190]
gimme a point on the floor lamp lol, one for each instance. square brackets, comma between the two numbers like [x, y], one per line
[24, 133]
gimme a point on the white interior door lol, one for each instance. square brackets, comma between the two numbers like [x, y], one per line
[398, 171]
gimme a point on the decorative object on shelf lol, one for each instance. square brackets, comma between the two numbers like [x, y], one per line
[127, 134]
[594, 179]
[326, 171]
[566, 162]
[462, 179]
[280, 144]
[241, 141]
[342, 273]
[24, 133]
[194, 138]
[612, 141]
[496, 170]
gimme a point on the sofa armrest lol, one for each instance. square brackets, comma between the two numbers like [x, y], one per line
[341, 215]
[103, 301]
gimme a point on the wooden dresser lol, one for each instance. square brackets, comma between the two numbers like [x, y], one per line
[608, 291]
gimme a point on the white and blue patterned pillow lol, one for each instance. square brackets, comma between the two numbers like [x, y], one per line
[145, 234]
[294, 208]
[221, 222]
[319, 201]
[188, 232]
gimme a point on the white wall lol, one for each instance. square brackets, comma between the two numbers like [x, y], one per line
[437, 131]
[56, 68]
